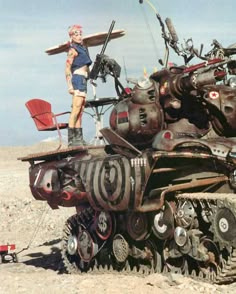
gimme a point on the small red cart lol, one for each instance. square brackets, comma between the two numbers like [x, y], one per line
[7, 253]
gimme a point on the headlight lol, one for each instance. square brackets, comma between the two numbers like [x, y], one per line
[180, 236]
[232, 82]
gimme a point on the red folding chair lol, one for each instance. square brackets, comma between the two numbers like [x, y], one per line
[44, 119]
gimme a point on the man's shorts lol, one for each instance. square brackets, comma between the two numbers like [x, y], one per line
[79, 83]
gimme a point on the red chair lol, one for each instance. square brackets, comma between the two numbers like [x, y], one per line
[45, 120]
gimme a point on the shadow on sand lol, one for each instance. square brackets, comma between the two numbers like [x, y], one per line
[44, 257]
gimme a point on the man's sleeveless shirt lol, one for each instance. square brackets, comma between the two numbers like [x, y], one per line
[82, 58]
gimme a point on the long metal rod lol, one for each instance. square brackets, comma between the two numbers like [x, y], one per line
[107, 37]
[155, 204]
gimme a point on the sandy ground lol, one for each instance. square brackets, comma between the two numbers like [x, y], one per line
[36, 230]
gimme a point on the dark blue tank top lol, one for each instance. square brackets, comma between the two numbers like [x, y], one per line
[82, 58]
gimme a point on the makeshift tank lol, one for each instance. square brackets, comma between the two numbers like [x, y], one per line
[159, 196]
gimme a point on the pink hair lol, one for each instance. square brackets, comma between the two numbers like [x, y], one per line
[74, 28]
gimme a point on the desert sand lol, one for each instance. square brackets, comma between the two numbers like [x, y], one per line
[36, 230]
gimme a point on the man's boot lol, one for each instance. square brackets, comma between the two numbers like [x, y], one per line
[71, 135]
[78, 140]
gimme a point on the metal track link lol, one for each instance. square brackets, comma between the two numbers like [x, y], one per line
[227, 272]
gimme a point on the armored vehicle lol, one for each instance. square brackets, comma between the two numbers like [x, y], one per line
[159, 194]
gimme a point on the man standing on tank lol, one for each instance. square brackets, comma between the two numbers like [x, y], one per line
[77, 73]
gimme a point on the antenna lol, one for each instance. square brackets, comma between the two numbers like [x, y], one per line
[125, 70]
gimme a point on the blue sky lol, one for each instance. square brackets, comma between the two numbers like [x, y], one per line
[28, 28]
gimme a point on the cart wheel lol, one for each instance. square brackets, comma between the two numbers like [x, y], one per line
[14, 257]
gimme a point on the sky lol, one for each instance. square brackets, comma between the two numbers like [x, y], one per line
[29, 27]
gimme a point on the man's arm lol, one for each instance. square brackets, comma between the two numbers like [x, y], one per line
[70, 57]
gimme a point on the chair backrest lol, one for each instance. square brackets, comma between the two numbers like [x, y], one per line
[41, 112]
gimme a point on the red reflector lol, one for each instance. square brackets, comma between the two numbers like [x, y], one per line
[167, 135]
[128, 91]
[220, 74]
[214, 95]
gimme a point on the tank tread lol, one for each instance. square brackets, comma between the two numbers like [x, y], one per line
[209, 196]
[73, 223]
[225, 276]
[95, 267]
[226, 270]
[226, 273]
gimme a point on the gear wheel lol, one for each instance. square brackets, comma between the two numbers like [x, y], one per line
[163, 224]
[120, 248]
[185, 214]
[137, 225]
[224, 223]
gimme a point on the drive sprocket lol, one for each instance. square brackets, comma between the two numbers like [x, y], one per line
[224, 222]
[71, 256]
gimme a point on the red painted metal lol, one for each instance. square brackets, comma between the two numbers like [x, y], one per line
[44, 119]
[202, 64]
[8, 247]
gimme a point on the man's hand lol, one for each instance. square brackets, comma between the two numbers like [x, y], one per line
[93, 83]
[71, 91]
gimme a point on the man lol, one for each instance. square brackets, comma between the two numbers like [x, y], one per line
[77, 72]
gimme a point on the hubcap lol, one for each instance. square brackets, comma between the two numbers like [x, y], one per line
[72, 245]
